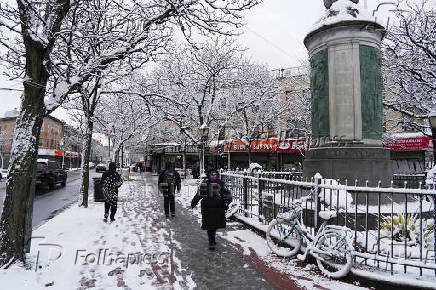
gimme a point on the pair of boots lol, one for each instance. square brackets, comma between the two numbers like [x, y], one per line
[105, 218]
[168, 216]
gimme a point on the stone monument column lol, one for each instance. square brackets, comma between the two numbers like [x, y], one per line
[347, 93]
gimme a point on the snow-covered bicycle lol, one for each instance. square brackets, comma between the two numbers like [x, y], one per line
[332, 246]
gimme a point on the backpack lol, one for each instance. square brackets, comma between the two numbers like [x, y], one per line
[168, 182]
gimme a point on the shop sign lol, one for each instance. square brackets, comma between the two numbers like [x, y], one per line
[192, 148]
[410, 143]
[179, 149]
[291, 146]
[172, 149]
[236, 146]
[256, 146]
[264, 145]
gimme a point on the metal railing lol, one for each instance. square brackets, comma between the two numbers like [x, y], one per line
[393, 227]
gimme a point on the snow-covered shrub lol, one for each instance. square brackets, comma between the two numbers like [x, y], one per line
[400, 233]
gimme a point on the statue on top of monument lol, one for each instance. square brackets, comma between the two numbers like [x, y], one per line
[328, 3]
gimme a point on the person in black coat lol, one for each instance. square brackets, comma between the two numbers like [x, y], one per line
[110, 182]
[169, 181]
[215, 199]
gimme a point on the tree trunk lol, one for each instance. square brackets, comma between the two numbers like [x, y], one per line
[85, 166]
[16, 218]
[117, 156]
[122, 156]
[184, 160]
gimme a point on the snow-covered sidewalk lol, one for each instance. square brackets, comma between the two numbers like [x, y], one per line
[143, 250]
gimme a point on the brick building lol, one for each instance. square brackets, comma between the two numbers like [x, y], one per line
[52, 132]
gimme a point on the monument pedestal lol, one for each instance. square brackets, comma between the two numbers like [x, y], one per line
[350, 163]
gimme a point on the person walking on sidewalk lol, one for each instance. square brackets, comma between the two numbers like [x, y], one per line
[215, 199]
[110, 182]
[169, 181]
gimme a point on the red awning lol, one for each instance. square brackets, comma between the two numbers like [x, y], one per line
[413, 143]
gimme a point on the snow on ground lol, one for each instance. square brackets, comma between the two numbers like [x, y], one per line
[304, 275]
[133, 251]
[77, 250]
[250, 244]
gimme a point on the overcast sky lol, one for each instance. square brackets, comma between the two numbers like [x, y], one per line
[273, 34]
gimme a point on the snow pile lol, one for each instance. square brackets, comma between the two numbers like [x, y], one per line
[254, 168]
[327, 214]
[343, 10]
[431, 178]
[331, 197]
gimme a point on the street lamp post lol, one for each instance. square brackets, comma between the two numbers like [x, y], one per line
[204, 137]
[229, 149]
[432, 118]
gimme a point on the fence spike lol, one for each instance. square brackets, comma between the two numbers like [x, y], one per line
[379, 183]
[420, 185]
[392, 183]
[366, 183]
[405, 184]
[346, 182]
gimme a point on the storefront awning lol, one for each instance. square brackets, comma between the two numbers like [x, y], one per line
[408, 142]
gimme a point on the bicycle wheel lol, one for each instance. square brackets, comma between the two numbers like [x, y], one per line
[283, 238]
[333, 255]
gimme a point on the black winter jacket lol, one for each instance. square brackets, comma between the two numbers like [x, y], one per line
[178, 181]
[213, 207]
[110, 182]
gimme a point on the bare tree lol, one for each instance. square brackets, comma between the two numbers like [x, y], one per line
[129, 117]
[410, 63]
[47, 29]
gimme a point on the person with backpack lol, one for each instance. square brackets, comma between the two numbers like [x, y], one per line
[215, 199]
[169, 181]
[110, 182]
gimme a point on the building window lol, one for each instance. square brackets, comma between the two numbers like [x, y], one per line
[40, 142]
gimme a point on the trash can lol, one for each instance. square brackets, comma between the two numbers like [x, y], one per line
[98, 193]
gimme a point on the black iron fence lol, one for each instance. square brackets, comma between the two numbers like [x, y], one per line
[393, 227]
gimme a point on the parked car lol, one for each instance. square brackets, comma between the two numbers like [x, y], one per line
[101, 167]
[91, 165]
[49, 173]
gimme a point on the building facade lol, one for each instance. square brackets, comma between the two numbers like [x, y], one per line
[57, 141]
